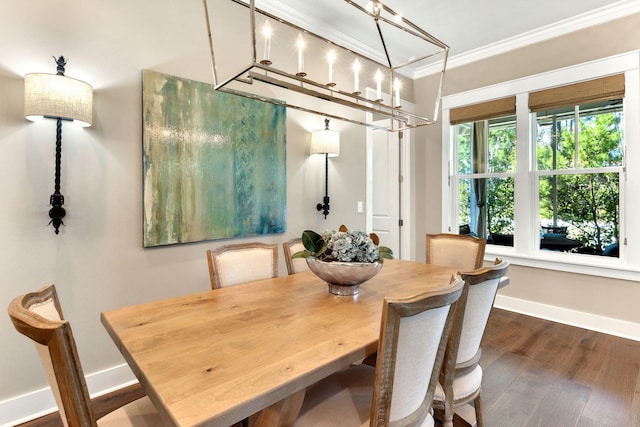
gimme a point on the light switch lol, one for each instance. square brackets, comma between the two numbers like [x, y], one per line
[360, 207]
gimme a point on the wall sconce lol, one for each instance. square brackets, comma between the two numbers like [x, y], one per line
[55, 96]
[325, 142]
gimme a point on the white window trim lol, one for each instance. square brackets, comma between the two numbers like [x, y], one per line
[525, 252]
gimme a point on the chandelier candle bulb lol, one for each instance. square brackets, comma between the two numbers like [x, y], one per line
[300, 44]
[356, 77]
[378, 85]
[266, 32]
[331, 58]
[396, 90]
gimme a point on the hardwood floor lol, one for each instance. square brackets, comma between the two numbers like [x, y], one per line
[542, 373]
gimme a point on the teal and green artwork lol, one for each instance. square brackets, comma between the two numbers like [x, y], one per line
[214, 164]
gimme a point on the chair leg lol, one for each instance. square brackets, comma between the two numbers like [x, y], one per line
[477, 403]
[447, 418]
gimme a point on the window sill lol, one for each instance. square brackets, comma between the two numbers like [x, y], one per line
[591, 265]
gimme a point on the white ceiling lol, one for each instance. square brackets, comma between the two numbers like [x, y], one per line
[469, 27]
[164, 34]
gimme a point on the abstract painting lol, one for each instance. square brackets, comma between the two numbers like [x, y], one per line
[214, 164]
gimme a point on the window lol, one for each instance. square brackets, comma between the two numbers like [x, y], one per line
[579, 160]
[545, 179]
[485, 178]
[577, 168]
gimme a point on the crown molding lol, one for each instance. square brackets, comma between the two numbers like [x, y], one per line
[602, 15]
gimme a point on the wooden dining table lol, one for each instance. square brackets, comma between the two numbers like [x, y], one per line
[217, 357]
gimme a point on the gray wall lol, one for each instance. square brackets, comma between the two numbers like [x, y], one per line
[97, 262]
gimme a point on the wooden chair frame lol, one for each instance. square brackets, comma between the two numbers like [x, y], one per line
[481, 244]
[214, 273]
[451, 368]
[393, 311]
[288, 253]
[67, 378]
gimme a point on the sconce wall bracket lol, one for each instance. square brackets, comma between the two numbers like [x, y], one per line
[324, 206]
[57, 212]
[325, 142]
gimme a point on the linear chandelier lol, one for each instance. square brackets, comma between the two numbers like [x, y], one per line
[322, 60]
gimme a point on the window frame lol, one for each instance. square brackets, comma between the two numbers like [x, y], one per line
[577, 169]
[525, 250]
[456, 176]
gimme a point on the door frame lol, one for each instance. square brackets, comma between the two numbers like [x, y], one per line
[406, 202]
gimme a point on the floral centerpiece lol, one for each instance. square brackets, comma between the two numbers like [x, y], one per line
[344, 259]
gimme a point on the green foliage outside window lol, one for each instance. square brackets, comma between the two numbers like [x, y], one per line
[502, 146]
[500, 153]
[579, 174]
[586, 202]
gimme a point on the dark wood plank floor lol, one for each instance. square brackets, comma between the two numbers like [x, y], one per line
[542, 373]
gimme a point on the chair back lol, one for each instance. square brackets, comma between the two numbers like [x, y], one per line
[234, 264]
[470, 322]
[411, 348]
[296, 265]
[38, 316]
[455, 250]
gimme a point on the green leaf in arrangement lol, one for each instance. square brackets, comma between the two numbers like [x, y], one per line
[385, 252]
[301, 254]
[310, 240]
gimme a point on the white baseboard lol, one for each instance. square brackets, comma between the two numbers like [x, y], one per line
[594, 322]
[37, 403]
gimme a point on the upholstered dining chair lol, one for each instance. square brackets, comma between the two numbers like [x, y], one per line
[461, 375]
[296, 265]
[399, 390]
[38, 315]
[455, 250]
[245, 262]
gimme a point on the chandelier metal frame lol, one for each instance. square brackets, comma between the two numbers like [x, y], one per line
[261, 71]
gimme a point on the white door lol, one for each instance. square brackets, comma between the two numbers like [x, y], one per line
[388, 188]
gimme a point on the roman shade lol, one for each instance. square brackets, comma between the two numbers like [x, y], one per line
[602, 89]
[484, 110]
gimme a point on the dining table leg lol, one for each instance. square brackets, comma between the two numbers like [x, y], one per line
[280, 414]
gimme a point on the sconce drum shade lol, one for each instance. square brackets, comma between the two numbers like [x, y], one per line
[57, 96]
[325, 141]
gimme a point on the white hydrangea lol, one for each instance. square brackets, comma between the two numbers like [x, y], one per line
[350, 246]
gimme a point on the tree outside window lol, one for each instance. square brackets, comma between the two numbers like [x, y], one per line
[486, 168]
[579, 174]
[567, 201]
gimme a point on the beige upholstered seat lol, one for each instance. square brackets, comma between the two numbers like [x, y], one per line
[234, 264]
[455, 250]
[461, 376]
[38, 316]
[400, 388]
[296, 265]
